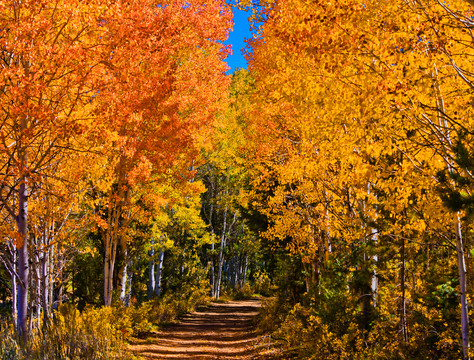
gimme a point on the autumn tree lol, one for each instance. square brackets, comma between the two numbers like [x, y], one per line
[349, 132]
[48, 65]
[164, 83]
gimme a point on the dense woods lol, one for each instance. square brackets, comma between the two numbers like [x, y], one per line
[334, 176]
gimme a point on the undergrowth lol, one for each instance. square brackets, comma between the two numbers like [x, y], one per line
[333, 330]
[97, 333]
[92, 334]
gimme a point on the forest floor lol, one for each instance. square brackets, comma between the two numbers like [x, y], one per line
[218, 331]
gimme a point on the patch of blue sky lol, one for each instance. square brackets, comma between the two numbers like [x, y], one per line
[237, 36]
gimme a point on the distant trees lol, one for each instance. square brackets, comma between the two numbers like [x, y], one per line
[233, 245]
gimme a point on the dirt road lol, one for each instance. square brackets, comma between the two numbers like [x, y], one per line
[219, 331]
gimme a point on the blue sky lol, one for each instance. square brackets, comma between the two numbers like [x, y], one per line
[236, 39]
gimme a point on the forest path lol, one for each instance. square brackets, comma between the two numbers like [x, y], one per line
[218, 331]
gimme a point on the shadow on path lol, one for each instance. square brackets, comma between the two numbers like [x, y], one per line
[219, 331]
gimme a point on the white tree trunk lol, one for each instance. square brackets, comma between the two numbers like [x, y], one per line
[220, 261]
[13, 277]
[151, 272]
[124, 278]
[159, 269]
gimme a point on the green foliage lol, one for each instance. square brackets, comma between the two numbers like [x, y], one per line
[86, 269]
[332, 322]
[332, 329]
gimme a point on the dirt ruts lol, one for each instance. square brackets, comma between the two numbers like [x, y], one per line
[218, 331]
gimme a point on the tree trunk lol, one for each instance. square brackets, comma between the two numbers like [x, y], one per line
[374, 239]
[111, 243]
[109, 265]
[52, 279]
[124, 272]
[14, 290]
[46, 279]
[159, 269]
[23, 257]
[128, 294]
[403, 305]
[123, 283]
[213, 271]
[213, 274]
[463, 285]
[118, 198]
[151, 272]
[220, 262]
[244, 272]
[37, 283]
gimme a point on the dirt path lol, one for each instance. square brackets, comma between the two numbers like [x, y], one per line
[219, 331]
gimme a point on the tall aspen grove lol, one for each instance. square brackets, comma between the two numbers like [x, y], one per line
[318, 204]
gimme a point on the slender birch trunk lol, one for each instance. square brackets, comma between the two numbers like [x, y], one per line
[220, 264]
[109, 266]
[220, 261]
[124, 272]
[13, 277]
[23, 256]
[128, 294]
[374, 239]
[151, 271]
[159, 270]
[46, 272]
[211, 228]
[124, 282]
[213, 272]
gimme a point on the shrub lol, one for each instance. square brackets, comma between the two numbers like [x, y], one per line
[243, 293]
[263, 284]
[168, 308]
[97, 333]
[9, 348]
[271, 314]
[93, 334]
